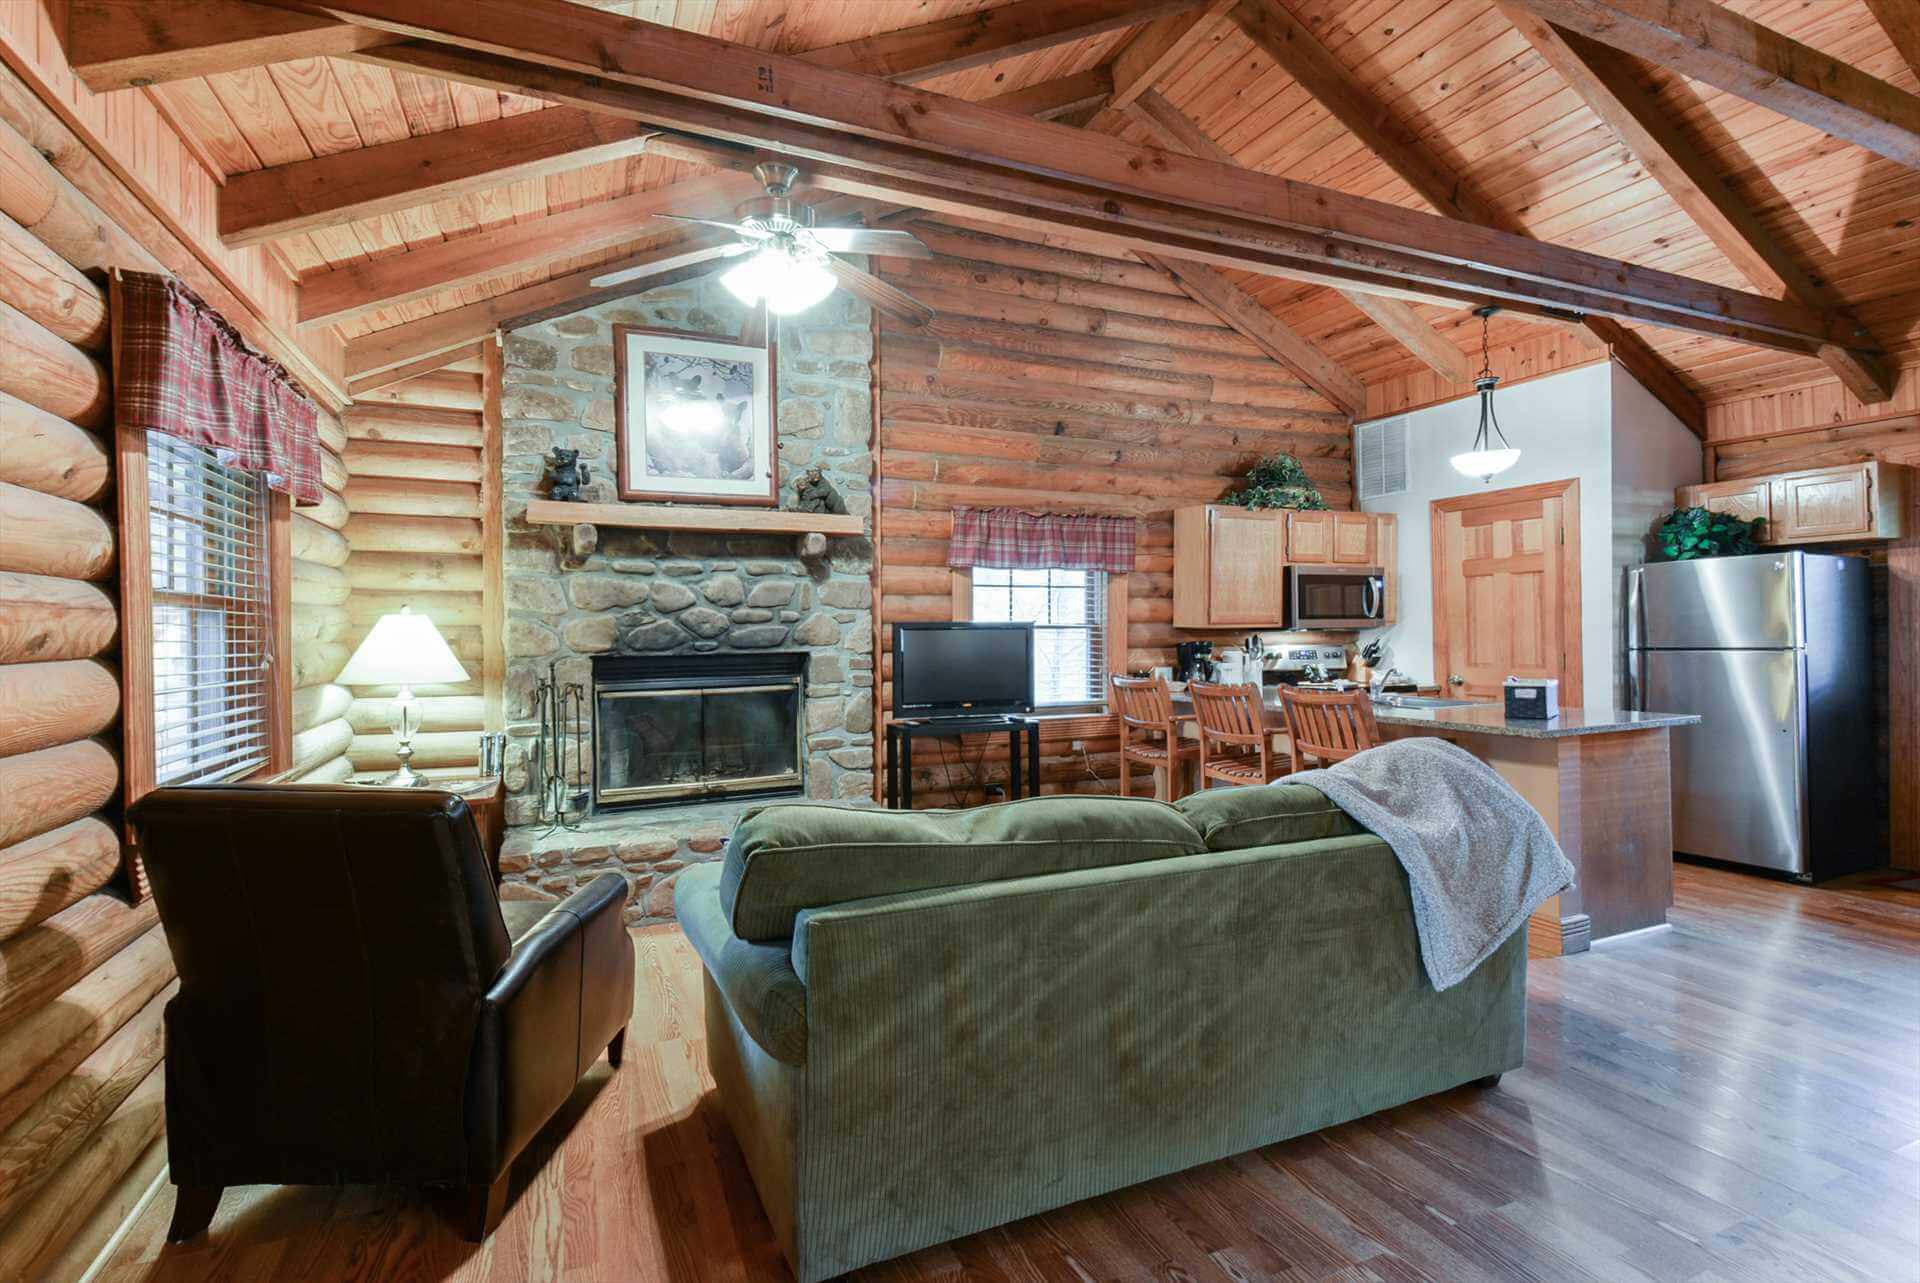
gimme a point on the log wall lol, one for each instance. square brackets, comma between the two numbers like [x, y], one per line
[417, 491]
[1053, 380]
[83, 971]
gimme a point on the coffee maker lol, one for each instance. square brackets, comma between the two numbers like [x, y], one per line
[1193, 661]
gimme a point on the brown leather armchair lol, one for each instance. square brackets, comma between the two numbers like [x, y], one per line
[354, 1007]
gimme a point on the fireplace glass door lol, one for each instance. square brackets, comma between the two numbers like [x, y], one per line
[687, 741]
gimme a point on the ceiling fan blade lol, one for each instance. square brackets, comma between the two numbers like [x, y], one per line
[738, 229]
[659, 263]
[876, 292]
[867, 240]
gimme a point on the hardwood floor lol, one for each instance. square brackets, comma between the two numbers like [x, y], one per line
[1735, 1099]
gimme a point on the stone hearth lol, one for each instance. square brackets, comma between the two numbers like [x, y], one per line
[644, 592]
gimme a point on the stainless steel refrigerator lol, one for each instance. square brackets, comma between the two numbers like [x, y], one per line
[1773, 651]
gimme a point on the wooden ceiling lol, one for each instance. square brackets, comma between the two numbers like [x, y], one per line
[1455, 84]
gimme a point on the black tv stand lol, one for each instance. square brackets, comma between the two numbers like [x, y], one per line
[901, 734]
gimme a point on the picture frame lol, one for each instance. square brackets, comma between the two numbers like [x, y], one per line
[695, 416]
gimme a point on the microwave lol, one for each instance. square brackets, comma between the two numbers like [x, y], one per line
[1336, 596]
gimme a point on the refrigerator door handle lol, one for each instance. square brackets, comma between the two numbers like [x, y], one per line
[1636, 612]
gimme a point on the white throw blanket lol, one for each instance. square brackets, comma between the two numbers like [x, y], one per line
[1479, 858]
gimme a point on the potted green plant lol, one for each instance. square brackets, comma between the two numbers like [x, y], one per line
[1278, 481]
[1689, 533]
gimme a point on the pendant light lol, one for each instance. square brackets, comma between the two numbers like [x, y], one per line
[1486, 460]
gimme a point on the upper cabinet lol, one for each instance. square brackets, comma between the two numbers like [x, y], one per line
[1336, 538]
[1229, 567]
[1816, 505]
[1229, 564]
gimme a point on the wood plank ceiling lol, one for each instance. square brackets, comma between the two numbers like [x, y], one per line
[1456, 81]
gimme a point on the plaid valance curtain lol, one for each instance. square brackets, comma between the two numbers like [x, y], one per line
[1009, 539]
[183, 370]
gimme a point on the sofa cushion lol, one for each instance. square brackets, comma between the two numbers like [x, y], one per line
[786, 857]
[1239, 818]
[757, 980]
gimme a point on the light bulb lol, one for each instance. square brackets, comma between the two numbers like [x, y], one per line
[801, 284]
[751, 279]
[1484, 464]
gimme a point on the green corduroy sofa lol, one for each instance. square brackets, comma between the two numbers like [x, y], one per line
[927, 1023]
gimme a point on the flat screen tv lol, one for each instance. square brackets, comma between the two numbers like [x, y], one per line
[957, 670]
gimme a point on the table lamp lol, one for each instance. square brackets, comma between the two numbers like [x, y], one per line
[403, 650]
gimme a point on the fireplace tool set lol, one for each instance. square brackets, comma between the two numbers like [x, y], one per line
[560, 753]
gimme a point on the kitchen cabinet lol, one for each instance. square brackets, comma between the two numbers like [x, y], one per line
[1229, 564]
[1229, 567]
[1335, 538]
[1814, 505]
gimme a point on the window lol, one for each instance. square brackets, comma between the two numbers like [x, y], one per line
[1068, 609]
[212, 631]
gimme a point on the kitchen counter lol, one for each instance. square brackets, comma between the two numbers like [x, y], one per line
[1601, 778]
[1492, 719]
[1486, 719]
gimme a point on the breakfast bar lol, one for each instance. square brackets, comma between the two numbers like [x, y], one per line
[1601, 780]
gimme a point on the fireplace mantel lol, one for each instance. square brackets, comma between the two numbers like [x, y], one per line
[673, 516]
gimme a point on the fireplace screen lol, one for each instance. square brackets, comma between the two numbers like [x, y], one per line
[688, 727]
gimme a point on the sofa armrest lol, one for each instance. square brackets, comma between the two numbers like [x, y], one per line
[540, 1022]
[757, 981]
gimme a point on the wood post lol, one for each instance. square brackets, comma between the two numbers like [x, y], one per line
[44, 789]
[49, 290]
[313, 705]
[43, 960]
[43, 369]
[318, 585]
[384, 533]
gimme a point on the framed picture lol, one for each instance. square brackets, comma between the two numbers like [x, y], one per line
[694, 417]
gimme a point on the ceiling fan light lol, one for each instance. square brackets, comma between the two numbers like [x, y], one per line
[801, 283]
[1484, 465]
[751, 279]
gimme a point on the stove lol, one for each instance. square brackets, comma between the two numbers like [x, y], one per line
[1288, 665]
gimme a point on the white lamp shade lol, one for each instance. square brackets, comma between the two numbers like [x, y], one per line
[402, 650]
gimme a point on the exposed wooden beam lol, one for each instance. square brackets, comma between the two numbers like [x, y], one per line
[327, 191]
[338, 188]
[1606, 80]
[1900, 19]
[895, 143]
[354, 289]
[1173, 128]
[1158, 47]
[1713, 44]
[1411, 330]
[1054, 99]
[412, 369]
[119, 44]
[1245, 313]
[391, 348]
[932, 49]
[1302, 56]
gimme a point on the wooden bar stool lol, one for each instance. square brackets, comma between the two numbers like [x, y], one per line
[1146, 705]
[1329, 726]
[1235, 745]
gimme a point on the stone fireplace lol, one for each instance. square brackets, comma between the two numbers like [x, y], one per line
[641, 607]
[681, 728]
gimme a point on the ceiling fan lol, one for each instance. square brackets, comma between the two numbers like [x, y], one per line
[788, 261]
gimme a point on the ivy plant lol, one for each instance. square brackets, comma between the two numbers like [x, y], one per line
[1278, 481]
[1688, 533]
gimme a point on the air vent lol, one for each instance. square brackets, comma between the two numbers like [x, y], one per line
[1382, 449]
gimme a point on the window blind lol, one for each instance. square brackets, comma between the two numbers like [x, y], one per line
[1068, 609]
[212, 633]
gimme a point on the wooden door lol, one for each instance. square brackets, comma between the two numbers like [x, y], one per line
[1245, 556]
[1310, 537]
[1822, 505]
[1353, 538]
[1506, 589]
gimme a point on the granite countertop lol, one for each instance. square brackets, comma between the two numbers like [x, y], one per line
[1491, 718]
